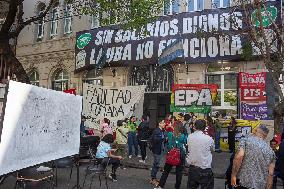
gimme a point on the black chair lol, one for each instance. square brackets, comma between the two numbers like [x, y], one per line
[32, 177]
[67, 162]
[96, 168]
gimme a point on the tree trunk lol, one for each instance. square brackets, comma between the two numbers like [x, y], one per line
[9, 64]
[278, 118]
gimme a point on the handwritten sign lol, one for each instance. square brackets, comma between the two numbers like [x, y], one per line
[254, 112]
[196, 98]
[112, 103]
[39, 125]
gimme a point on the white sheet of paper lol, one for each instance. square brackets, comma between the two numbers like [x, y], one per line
[39, 125]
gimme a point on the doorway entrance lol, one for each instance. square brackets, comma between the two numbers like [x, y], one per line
[159, 81]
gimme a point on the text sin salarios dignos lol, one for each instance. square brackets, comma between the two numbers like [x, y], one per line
[122, 43]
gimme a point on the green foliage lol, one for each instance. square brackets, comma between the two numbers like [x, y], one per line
[131, 14]
[247, 50]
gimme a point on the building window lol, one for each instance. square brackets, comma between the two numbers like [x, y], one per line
[94, 77]
[224, 74]
[34, 78]
[172, 6]
[60, 81]
[54, 21]
[195, 5]
[156, 78]
[95, 21]
[40, 23]
[68, 17]
[220, 3]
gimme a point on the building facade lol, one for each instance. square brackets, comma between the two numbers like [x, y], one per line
[46, 49]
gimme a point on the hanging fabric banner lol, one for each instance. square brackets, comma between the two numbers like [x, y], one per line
[112, 103]
[197, 98]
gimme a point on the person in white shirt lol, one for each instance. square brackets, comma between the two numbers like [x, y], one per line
[199, 158]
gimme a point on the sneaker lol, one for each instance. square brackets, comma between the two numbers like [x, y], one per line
[113, 177]
[155, 182]
[146, 157]
[142, 161]
[130, 156]
[159, 187]
[139, 156]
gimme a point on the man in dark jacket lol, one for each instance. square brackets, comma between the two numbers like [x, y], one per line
[143, 136]
[156, 143]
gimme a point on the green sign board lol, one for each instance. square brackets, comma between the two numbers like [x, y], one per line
[268, 16]
[83, 40]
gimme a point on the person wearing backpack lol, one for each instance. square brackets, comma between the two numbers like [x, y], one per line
[121, 137]
[176, 156]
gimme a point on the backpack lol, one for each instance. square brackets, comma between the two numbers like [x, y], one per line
[174, 156]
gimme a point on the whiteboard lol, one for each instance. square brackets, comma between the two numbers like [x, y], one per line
[39, 125]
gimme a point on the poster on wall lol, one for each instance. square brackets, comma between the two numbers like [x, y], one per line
[197, 98]
[117, 45]
[40, 125]
[253, 105]
[254, 111]
[244, 127]
[114, 103]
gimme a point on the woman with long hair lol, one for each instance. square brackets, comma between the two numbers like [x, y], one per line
[232, 134]
[176, 139]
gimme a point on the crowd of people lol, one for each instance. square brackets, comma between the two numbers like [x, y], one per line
[187, 141]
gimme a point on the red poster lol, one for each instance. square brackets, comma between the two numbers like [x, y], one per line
[70, 91]
[252, 80]
[213, 88]
[253, 94]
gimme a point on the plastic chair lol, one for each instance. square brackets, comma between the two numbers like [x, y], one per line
[33, 177]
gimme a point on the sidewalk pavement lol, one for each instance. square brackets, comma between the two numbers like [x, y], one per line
[220, 163]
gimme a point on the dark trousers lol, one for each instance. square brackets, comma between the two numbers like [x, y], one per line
[274, 186]
[167, 170]
[143, 147]
[231, 140]
[241, 187]
[200, 177]
[132, 141]
[111, 161]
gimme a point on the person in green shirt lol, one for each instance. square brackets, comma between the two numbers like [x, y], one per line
[132, 136]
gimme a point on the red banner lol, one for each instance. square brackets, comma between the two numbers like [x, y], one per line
[70, 91]
[213, 88]
[255, 94]
[252, 80]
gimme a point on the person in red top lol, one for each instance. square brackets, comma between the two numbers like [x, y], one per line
[169, 123]
[210, 130]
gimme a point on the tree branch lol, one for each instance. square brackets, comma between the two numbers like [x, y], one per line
[31, 20]
[10, 18]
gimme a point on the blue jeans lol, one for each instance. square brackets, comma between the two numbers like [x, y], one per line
[217, 140]
[156, 165]
[132, 141]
